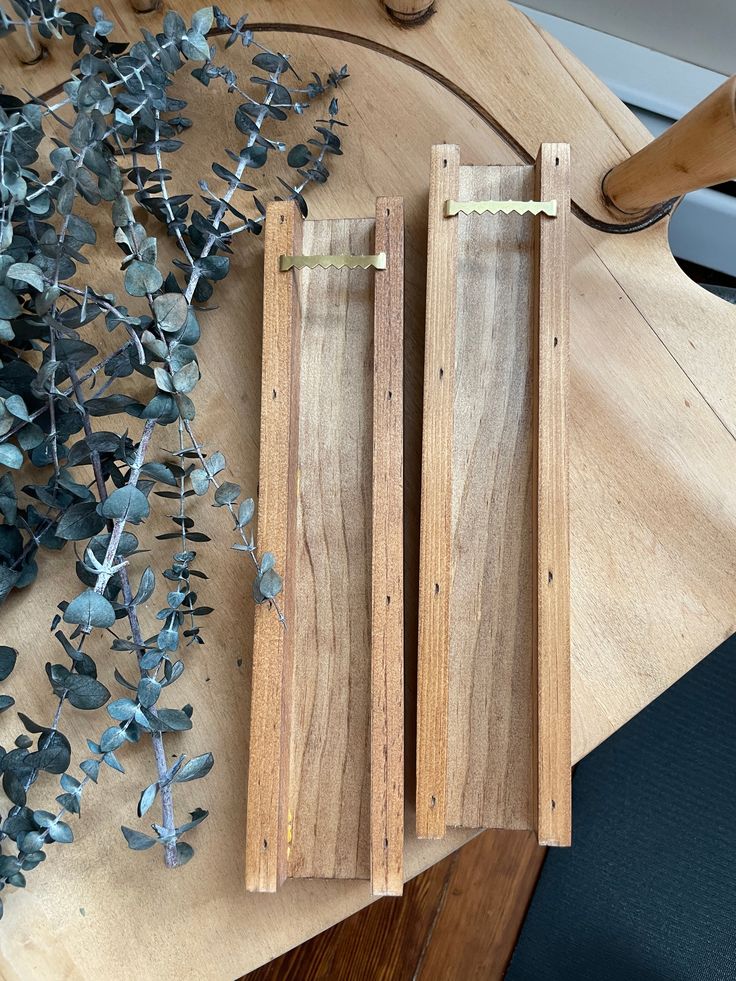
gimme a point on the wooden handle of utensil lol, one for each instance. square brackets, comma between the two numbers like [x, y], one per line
[410, 12]
[698, 150]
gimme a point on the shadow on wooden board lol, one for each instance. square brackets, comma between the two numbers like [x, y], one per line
[457, 921]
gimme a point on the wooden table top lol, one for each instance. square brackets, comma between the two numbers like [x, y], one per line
[653, 500]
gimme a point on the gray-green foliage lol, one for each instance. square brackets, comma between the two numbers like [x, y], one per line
[56, 389]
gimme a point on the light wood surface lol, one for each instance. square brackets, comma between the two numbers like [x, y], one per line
[497, 666]
[491, 604]
[328, 794]
[325, 793]
[265, 865]
[652, 417]
[697, 151]
[528, 107]
[551, 502]
[409, 11]
[435, 554]
[387, 558]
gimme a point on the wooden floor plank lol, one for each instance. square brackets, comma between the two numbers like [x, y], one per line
[488, 893]
[457, 921]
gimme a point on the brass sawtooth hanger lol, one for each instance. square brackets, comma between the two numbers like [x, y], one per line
[503, 207]
[333, 261]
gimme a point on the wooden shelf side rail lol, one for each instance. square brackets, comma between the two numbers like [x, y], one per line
[325, 780]
[551, 357]
[493, 713]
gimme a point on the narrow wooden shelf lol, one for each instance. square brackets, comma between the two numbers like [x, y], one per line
[325, 785]
[493, 740]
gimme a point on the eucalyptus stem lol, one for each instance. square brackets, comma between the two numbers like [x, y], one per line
[167, 801]
[119, 101]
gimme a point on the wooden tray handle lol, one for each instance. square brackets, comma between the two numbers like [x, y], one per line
[698, 150]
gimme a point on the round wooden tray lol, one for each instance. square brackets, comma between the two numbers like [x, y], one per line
[653, 503]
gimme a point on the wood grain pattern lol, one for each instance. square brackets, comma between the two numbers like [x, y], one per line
[329, 803]
[652, 418]
[458, 920]
[490, 642]
[698, 150]
[434, 545]
[339, 721]
[387, 568]
[408, 11]
[554, 98]
[265, 866]
[489, 890]
[551, 509]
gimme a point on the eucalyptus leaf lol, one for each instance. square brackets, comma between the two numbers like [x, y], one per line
[246, 512]
[226, 493]
[122, 709]
[86, 693]
[112, 738]
[200, 481]
[142, 278]
[270, 584]
[80, 521]
[145, 587]
[61, 832]
[11, 456]
[126, 503]
[136, 840]
[170, 310]
[148, 692]
[195, 768]
[24, 272]
[90, 609]
[147, 798]
[8, 658]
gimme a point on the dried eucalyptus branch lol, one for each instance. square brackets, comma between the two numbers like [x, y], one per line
[94, 486]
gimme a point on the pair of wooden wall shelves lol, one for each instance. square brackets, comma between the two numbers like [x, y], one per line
[326, 756]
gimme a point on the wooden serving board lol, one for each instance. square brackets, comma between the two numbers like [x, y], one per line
[493, 733]
[652, 419]
[326, 765]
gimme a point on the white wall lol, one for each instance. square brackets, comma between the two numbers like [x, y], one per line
[700, 31]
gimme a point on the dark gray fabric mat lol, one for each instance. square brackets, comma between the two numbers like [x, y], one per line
[648, 890]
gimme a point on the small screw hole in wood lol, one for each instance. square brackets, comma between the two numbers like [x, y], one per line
[444, 163]
[274, 394]
[388, 601]
[282, 219]
[555, 343]
[265, 844]
[390, 396]
[549, 576]
[432, 801]
[442, 373]
[436, 589]
[385, 843]
[557, 161]
[554, 804]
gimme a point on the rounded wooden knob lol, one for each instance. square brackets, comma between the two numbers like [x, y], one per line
[26, 46]
[410, 12]
[698, 150]
[145, 6]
